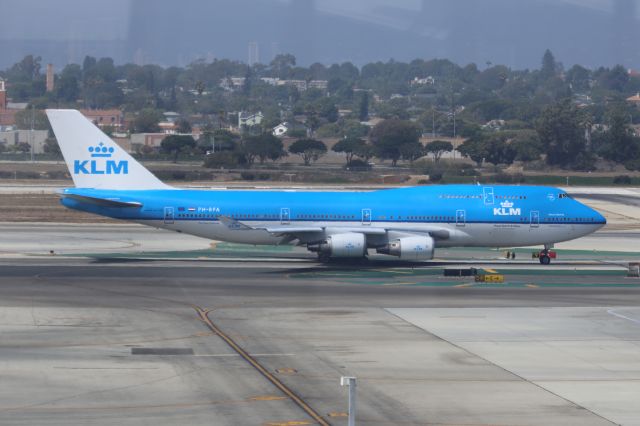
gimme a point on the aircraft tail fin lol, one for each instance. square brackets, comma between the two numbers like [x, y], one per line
[93, 159]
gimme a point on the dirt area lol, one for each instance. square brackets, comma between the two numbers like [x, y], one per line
[42, 208]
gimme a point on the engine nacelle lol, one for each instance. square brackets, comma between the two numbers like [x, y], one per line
[410, 248]
[349, 244]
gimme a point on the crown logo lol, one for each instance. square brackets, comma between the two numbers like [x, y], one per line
[506, 204]
[100, 151]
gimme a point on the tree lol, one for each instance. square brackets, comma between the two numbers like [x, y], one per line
[363, 107]
[183, 126]
[499, 149]
[23, 147]
[26, 117]
[526, 144]
[27, 70]
[174, 144]
[282, 63]
[437, 148]
[147, 121]
[263, 147]
[51, 147]
[561, 133]
[578, 77]
[309, 149]
[68, 84]
[326, 108]
[349, 146]
[614, 79]
[619, 142]
[549, 66]
[393, 137]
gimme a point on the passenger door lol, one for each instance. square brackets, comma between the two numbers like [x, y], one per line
[487, 195]
[285, 216]
[366, 216]
[168, 215]
[535, 219]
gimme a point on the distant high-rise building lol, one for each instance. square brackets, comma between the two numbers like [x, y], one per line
[254, 53]
[139, 57]
[50, 78]
[275, 49]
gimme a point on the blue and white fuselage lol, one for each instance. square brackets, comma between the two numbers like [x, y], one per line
[405, 222]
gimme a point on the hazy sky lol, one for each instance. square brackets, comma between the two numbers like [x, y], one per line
[169, 32]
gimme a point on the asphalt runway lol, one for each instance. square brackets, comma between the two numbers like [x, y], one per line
[126, 341]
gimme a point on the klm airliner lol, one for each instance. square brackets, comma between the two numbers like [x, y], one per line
[409, 223]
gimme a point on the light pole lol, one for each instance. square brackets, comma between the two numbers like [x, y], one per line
[351, 383]
[31, 131]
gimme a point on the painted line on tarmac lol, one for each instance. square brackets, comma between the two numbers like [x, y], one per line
[204, 317]
[615, 314]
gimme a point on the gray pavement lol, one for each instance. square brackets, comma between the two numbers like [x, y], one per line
[70, 329]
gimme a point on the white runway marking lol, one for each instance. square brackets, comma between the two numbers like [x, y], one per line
[615, 314]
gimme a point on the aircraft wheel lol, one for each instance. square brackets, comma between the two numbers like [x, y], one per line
[544, 259]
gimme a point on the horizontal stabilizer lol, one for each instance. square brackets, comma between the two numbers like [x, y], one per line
[103, 202]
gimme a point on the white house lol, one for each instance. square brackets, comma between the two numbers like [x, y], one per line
[246, 119]
[281, 129]
[417, 81]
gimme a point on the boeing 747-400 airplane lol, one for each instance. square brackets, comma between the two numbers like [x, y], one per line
[409, 223]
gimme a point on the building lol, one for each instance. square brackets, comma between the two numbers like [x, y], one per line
[301, 85]
[246, 119]
[635, 99]
[417, 81]
[7, 112]
[105, 117]
[3, 96]
[281, 129]
[151, 140]
[318, 84]
[232, 83]
[35, 138]
[254, 53]
[50, 78]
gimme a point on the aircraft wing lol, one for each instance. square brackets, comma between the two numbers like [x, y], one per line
[299, 232]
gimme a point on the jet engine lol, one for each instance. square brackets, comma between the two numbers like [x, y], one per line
[410, 248]
[349, 244]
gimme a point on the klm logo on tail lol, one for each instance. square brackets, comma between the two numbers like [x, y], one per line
[100, 163]
[506, 209]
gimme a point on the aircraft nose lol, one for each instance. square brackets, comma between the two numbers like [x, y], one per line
[597, 217]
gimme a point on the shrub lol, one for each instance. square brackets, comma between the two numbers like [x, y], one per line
[223, 159]
[358, 166]
[622, 180]
[507, 178]
[435, 177]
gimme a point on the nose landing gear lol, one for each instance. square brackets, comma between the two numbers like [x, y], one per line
[545, 256]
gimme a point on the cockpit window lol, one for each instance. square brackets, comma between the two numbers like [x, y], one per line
[563, 195]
